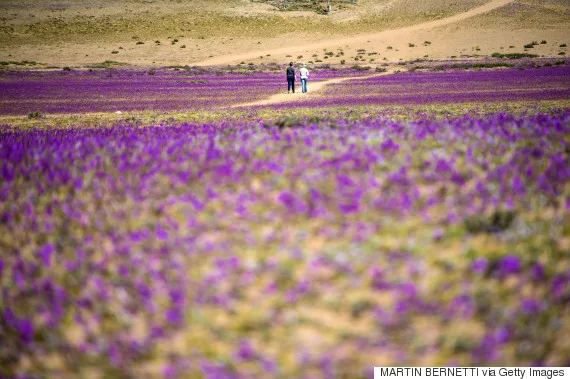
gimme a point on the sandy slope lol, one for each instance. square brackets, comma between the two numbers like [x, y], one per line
[80, 33]
[332, 44]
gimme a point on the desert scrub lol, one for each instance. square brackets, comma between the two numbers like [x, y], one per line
[513, 55]
[36, 114]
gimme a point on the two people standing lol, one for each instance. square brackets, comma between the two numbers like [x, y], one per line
[303, 72]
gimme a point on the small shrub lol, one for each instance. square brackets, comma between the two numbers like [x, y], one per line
[562, 45]
[389, 48]
[498, 222]
[67, 68]
[543, 42]
[380, 69]
[183, 46]
[152, 71]
[32, 115]
[140, 43]
[529, 46]
[342, 61]
[513, 55]
[427, 43]
[299, 57]
[114, 52]
[285, 122]
[330, 53]
[562, 53]
[411, 45]
[361, 68]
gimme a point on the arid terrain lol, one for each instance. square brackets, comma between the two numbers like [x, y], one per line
[159, 33]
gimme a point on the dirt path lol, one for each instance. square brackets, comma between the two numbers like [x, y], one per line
[313, 91]
[387, 34]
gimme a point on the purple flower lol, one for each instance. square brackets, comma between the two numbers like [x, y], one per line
[246, 351]
[26, 330]
[176, 296]
[488, 349]
[510, 264]
[503, 335]
[344, 181]
[114, 352]
[45, 253]
[464, 305]
[408, 289]
[530, 306]
[401, 307]
[144, 290]
[174, 315]
[389, 145]
[161, 234]
[156, 331]
[537, 271]
[559, 283]
[479, 265]
[291, 202]
[170, 371]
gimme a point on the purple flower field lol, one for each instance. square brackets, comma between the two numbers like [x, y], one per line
[128, 90]
[545, 83]
[308, 247]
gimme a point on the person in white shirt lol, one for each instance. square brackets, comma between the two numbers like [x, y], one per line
[304, 77]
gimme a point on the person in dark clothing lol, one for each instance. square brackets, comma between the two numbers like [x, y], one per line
[290, 78]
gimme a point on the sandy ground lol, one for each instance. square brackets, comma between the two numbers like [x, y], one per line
[78, 32]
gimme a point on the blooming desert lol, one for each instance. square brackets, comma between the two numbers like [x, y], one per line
[281, 242]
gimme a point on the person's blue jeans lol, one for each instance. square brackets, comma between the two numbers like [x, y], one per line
[304, 84]
[290, 84]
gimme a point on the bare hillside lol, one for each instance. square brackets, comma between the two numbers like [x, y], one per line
[147, 32]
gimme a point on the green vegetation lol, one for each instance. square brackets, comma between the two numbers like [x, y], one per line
[36, 114]
[514, 55]
[19, 63]
[106, 64]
